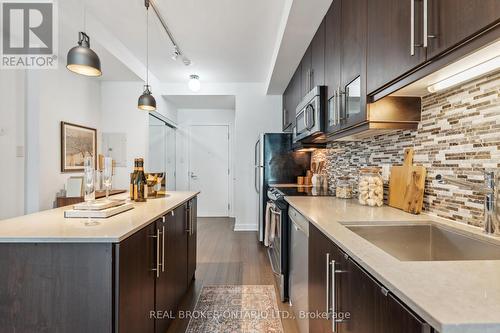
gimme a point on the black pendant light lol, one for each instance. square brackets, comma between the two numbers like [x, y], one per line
[146, 101]
[82, 59]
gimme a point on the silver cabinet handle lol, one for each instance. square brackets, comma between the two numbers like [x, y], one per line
[425, 23]
[157, 237]
[163, 249]
[188, 214]
[332, 291]
[328, 285]
[412, 27]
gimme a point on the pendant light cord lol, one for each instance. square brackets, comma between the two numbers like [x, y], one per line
[147, 44]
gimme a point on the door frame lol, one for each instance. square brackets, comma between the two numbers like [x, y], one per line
[230, 176]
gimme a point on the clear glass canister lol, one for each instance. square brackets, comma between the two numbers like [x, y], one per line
[371, 187]
[344, 188]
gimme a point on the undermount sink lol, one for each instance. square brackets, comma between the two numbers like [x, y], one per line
[425, 242]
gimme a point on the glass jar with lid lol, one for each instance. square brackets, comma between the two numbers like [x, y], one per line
[344, 188]
[371, 187]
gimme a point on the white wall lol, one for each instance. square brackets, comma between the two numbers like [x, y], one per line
[188, 117]
[255, 113]
[11, 137]
[55, 96]
[121, 115]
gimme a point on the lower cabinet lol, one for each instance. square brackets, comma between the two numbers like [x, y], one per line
[346, 299]
[152, 269]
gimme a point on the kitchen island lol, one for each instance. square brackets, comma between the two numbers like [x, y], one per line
[63, 275]
[452, 296]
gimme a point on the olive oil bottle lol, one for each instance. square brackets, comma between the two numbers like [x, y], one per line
[140, 183]
[132, 180]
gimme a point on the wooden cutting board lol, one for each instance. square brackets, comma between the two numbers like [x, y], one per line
[406, 185]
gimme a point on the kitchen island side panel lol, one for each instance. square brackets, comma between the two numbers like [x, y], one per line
[56, 287]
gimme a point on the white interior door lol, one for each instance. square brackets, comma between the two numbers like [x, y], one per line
[209, 168]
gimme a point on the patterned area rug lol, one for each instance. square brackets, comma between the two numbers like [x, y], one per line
[236, 309]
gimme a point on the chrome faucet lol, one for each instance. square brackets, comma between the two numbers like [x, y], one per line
[489, 190]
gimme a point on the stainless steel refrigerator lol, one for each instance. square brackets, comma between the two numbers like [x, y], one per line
[276, 163]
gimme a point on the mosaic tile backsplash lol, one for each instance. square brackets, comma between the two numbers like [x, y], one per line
[459, 135]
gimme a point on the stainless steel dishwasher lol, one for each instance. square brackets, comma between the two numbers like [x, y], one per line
[299, 251]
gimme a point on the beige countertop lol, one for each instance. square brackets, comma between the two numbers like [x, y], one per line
[452, 296]
[50, 226]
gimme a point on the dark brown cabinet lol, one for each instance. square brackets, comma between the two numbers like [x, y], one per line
[320, 250]
[306, 73]
[389, 41]
[136, 272]
[333, 67]
[318, 56]
[153, 269]
[349, 299]
[453, 21]
[353, 77]
[165, 288]
[291, 98]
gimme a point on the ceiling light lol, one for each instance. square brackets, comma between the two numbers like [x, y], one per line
[466, 75]
[82, 59]
[186, 61]
[146, 101]
[194, 83]
[175, 54]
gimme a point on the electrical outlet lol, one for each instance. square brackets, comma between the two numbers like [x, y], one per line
[19, 151]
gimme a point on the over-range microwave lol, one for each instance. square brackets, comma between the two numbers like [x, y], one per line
[310, 116]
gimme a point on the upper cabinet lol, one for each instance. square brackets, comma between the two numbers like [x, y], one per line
[318, 56]
[306, 73]
[364, 50]
[452, 21]
[291, 98]
[404, 37]
[353, 77]
[390, 30]
[333, 43]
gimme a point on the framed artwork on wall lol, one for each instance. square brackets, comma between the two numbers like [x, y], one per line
[76, 141]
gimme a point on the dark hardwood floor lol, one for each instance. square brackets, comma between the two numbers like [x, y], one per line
[228, 257]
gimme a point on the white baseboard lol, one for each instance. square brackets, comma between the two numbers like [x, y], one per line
[245, 227]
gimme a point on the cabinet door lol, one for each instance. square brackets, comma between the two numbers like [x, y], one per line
[452, 21]
[394, 317]
[306, 76]
[320, 250]
[192, 238]
[389, 41]
[288, 108]
[136, 281]
[318, 56]
[333, 46]
[296, 91]
[181, 250]
[353, 76]
[358, 297]
[165, 283]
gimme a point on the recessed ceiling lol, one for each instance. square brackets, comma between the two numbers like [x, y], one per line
[212, 102]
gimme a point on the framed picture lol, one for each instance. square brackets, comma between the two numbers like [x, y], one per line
[76, 141]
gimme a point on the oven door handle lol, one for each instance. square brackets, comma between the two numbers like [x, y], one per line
[272, 262]
[275, 212]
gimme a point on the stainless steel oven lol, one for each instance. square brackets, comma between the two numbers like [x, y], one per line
[309, 117]
[278, 249]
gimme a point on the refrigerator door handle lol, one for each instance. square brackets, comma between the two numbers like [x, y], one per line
[256, 158]
[257, 178]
